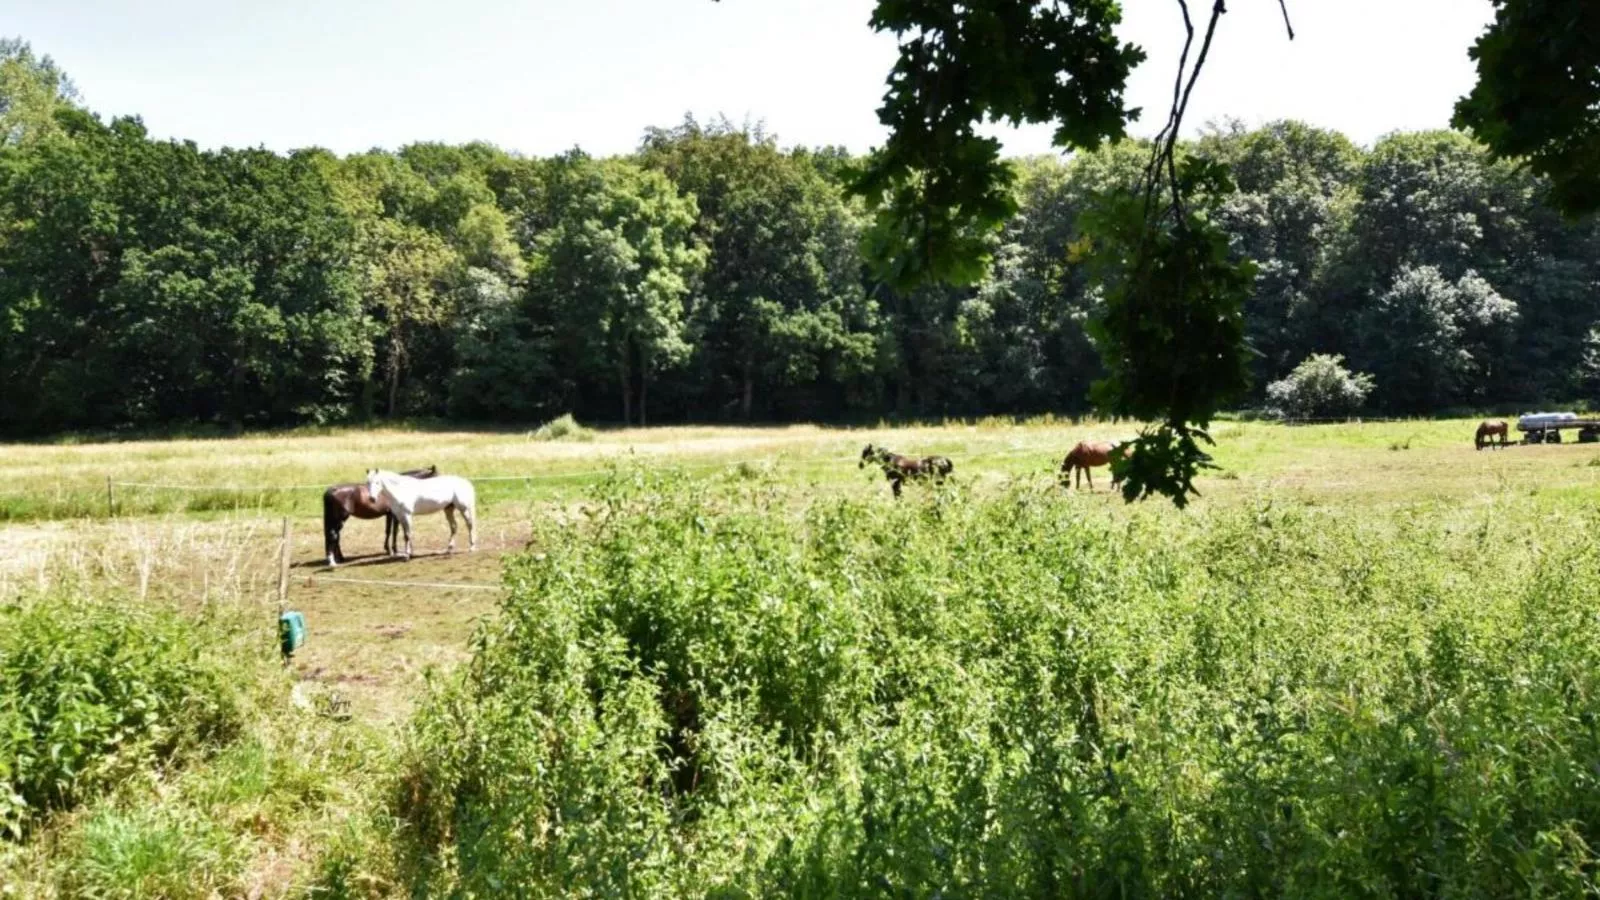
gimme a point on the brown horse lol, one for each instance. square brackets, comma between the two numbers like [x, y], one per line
[897, 469]
[342, 501]
[1487, 431]
[1085, 456]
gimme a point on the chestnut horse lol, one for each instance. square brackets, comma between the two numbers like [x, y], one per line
[1487, 431]
[1085, 456]
[342, 501]
[897, 469]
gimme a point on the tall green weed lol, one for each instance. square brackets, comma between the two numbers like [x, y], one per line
[92, 691]
[702, 693]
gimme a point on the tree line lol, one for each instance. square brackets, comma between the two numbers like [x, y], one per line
[713, 275]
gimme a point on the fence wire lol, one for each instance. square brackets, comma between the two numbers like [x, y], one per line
[442, 585]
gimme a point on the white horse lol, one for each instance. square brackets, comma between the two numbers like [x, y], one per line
[408, 497]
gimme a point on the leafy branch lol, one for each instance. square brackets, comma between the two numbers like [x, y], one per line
[1171, 330]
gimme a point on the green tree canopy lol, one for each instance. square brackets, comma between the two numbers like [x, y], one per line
[32, 88]
[1538, 94]
[780, 299]
[616, 265]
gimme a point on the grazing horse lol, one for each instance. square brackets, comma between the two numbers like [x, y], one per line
[1085, 456]
[1487, 431]
[897, 469]
[410, 497]
[342, 501]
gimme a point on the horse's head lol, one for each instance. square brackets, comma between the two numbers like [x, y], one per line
[375, 478]
[866, 454]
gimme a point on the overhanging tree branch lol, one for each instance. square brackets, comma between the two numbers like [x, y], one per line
[1283, 5]
[1166, 141]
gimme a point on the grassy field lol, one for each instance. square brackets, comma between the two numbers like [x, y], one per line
[196, 529]
[215, 530]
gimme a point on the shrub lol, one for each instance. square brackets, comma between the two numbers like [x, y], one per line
[92, 691]
[563, 428]
[708, 694]
[1320, 387]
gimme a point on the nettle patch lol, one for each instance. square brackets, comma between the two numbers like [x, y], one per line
[698, 692]
[94, 691]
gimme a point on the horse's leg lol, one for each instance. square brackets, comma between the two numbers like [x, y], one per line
[894, 484]
[1088, 472]
[472, 527]
[391, 533]
[450, 516]
[405, 526]
[331, 522]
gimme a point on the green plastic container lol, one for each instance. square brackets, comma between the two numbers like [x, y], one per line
[291, 632]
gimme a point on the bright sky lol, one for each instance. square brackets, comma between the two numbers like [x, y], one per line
[540, 76]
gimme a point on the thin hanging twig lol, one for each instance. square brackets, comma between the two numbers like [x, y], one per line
[1166, 142]
[1152, 171]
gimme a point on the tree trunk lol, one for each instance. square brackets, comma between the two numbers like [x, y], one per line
[627, 390]
[644, 390]
[748, 400]
[396, 354]
[627, 399]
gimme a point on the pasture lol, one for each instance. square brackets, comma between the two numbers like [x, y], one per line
[1454, 542]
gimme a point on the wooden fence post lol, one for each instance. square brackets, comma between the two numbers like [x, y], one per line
[111, 503]
[283, 568]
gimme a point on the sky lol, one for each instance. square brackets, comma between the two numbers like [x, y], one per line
[541, 76]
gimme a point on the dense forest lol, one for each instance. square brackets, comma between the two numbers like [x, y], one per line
[713, 275]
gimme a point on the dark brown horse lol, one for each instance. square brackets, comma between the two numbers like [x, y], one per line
[1085, 456]
[1487, 431]
[898, 469]
[342, 501]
